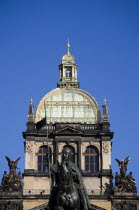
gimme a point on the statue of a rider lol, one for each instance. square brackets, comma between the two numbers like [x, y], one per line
[77, 180]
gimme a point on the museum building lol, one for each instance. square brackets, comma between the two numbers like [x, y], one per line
[68, 117]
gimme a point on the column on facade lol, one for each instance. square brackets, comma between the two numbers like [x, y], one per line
[55, 152]
[79, 154]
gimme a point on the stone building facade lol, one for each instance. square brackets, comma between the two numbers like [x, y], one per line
[69, 117]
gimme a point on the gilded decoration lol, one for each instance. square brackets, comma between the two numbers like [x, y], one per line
[29, 146]
[105, 146]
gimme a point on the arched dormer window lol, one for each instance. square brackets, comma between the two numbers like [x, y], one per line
[91, 159]
[72, 158]
[42, 156]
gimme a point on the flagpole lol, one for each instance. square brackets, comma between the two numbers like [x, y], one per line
[46, 122]
[48, 153]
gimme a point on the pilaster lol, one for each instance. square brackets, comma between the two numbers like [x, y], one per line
[79, 154]
[55, 153]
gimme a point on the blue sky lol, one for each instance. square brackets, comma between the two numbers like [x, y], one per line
[104, 38]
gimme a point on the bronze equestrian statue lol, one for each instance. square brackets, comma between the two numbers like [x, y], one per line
[67, 196]
[68, 191]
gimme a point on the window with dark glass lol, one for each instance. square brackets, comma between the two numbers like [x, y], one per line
[68, 72]
[42, 157]
[91, 159]
[72, 158]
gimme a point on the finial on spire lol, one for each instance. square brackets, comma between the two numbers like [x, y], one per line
[31, 101]
[105, 116]
[68, 47]
[105, 101]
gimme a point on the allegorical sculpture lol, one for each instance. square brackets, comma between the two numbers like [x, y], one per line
[12, 181]
[67, 188]
[123, 182]
[12, 165]
[123, 166]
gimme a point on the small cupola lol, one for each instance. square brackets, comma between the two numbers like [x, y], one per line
[68, 71]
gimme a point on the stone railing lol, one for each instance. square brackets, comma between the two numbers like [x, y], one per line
[49, 127]
[90, 127]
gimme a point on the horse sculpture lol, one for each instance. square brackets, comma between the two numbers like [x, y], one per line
[67, 191]
[68, 196]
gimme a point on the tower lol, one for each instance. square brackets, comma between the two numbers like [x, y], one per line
[67, 117]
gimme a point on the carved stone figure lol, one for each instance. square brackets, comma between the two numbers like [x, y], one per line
[123, 166]
[124, 183]
[12, 181]
[5, 180]
[11, 205]
[117, 179]
[18, 182]
[124, 206]
[131, 182]
[12, 165]
[67, 187]
[105, 147]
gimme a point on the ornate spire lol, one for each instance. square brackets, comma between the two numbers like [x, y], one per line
[105, 116]
[31, 112]
[31, 127]
[68, 47]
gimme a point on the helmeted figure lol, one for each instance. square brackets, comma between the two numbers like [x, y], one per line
[56, 183]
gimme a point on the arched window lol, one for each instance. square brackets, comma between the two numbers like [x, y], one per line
[68, 72]
[42, 156]
[72, 158]
[91, 159]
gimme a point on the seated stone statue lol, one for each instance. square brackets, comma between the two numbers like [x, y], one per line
[67, 187]
[5, 179]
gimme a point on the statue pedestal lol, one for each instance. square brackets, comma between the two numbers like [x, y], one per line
[134, 193]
